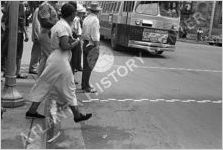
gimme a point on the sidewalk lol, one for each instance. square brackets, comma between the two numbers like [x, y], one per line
[16, 129]
[192, 41]
[14, 126]
[14, 122]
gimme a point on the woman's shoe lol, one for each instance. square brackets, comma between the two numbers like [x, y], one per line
[79, 116]
[82, 117]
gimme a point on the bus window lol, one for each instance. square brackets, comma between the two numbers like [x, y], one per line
[147, 7]
[110, 7]
[104, 7]
[169, 9]
[118, 6]
[125, 6]
[131, 7]
[102, 4]
[114, 8]
[128, 6]
[107, 7]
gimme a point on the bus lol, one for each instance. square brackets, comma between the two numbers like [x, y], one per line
[148, 25]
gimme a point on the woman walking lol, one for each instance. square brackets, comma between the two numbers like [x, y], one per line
[57, 77]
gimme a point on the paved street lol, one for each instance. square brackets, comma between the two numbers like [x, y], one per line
[167, 101]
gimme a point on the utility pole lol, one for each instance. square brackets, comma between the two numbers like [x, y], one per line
[10, 97]
[212, 19]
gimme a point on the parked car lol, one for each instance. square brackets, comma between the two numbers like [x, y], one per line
[215, 40]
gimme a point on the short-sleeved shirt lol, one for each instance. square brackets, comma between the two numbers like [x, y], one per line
[76, 26]
[61, 28]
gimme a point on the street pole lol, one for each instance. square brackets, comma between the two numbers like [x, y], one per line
[10, 97]
[212, 19]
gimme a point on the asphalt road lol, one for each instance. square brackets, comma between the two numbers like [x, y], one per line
[148, 101]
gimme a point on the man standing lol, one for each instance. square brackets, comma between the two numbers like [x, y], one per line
[77, 31]
[35, 54]
[91, 37]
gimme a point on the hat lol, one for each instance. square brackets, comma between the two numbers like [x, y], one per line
[94, 6]
[80, 8]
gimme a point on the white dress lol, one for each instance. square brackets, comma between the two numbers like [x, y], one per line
[57, 78]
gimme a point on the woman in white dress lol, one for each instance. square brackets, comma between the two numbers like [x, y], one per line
[57, 78]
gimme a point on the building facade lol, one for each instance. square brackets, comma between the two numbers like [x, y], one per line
[198, 14]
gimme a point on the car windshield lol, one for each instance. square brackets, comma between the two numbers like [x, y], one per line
[169, 9]
[147, 7]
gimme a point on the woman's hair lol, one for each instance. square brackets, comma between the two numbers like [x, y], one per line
[67, 10]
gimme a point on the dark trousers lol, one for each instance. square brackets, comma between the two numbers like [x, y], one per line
[4, 49]
[75, 62]
[19, 52]
[90, 57]
[35, 56]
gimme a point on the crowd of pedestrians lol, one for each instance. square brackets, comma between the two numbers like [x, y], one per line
[62, 38]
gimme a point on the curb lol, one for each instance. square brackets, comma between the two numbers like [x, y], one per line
[192, 41]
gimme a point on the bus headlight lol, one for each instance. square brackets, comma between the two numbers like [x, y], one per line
[174, 27]
[138, 22]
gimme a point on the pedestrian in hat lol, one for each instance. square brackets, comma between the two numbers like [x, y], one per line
[57, 77]
[91, 38]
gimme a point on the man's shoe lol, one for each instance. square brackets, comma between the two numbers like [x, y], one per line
[89, 90]
[83, 117]
[80, 69]
[21, 76]
[35, 115]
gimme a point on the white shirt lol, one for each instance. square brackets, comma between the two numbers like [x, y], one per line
[60, 29]
[76, 26]
[91, 28]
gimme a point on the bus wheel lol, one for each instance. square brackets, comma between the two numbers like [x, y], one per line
[114, 44]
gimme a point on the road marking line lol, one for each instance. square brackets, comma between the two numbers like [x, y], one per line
[183, 69]
[112, 99]
[191, 100]
[146, 99]
[138, 100]
[122, 100]
[95, 99]
[104, 100]
[217, 101]
[153, 100]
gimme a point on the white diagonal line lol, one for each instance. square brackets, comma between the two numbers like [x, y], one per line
[182, 69]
